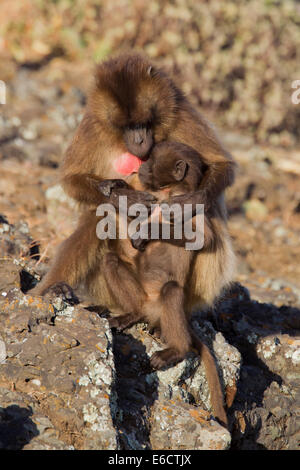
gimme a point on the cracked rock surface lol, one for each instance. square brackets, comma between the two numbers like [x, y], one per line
[67, 381]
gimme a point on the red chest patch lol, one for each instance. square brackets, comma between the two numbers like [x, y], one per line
[127, 164]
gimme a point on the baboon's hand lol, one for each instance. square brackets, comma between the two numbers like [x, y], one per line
[106, 187]
[184, 200]
[139, 244]
[133, 197]
[63, 291]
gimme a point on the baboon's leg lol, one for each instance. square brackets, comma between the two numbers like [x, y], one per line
[75, 257]
[174, 326]
[125, 290]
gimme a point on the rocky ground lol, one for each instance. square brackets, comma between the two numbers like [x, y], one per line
[66, 381]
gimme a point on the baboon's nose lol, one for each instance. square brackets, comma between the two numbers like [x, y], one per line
[138, 138]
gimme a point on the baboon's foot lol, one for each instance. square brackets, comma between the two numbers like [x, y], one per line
[165, 358]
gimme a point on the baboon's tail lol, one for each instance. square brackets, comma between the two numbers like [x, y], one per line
[216, 394]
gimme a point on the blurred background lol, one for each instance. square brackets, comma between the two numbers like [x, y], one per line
[236, 60]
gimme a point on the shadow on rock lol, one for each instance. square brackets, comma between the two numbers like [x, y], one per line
[16, 427]
[264, 408]
[134, 391]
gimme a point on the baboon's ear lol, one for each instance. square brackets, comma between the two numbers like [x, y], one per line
[180, 170]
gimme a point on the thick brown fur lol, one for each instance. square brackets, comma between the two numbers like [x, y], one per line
[132, 105]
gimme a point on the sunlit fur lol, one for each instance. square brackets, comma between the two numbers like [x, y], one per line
[130, 90]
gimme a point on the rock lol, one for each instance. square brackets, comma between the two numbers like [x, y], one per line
[23, 425]
[179, 426]
[281, 353]
[3, 353]
[60, 210]
[15, 240]
[56, 193]
[79, 386]
[181, 384]
[255, 210]
[69, 364]
[264, 414]
[187, 380]
[9, 276]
